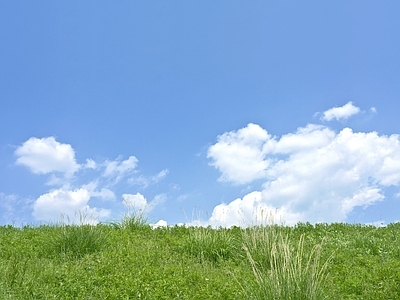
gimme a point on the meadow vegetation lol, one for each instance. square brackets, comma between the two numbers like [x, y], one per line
[130, 260]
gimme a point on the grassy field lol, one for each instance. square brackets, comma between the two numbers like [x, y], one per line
[130, 260]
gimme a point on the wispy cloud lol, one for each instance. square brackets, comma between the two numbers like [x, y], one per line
[146, 181]
[15, 209]
[90, 164]
[99, 192]
[118, 169]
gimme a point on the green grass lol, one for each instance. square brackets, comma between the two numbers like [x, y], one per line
[129, 260]
[284, 269]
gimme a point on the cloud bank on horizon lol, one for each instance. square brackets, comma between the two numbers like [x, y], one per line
[311, 175]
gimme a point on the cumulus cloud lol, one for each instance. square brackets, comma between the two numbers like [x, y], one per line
[134, 201]
[46, 155]
[57, 160]
[67, 203]
[160, 223]
[138, 202]
[250, 210]
[313, 174]
[342, 112]
[240, 155]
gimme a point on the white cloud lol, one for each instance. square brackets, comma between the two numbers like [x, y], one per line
[250, 210]
[90, 164]
[46, 155]
[183, 197]
[304, 139]
[15, 209]
[158, 200]
[117, 169]
[138, 202]
[363, 198]
[146, 181]
[160, 223]
[67, 203]
[134, 201]
[240, 156]
[7, 206]
[74, 189]
[55, 180]
[103, 193]
[343, 112]
[313, 175]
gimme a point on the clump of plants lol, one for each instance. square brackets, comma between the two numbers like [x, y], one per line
[133, 219]
[209, 244]
[76, 239]
[283, 269]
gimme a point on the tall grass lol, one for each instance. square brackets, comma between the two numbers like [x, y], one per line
[212, 245]
[14, 274]
[283, 269]
[133, 219]
[208, 244]
[78, 238]
[275, 262]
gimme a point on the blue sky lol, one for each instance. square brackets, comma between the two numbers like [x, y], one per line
[208, 111]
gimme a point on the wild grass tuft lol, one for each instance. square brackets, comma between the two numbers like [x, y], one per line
[283, 269]
[78, 239]
[209, 244]
[132, 220]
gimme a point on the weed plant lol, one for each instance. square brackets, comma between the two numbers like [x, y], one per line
[78, 240]
[134, 219]
[283, 269]
[207, 244]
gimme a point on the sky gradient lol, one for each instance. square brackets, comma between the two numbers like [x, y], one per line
[200, 112]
